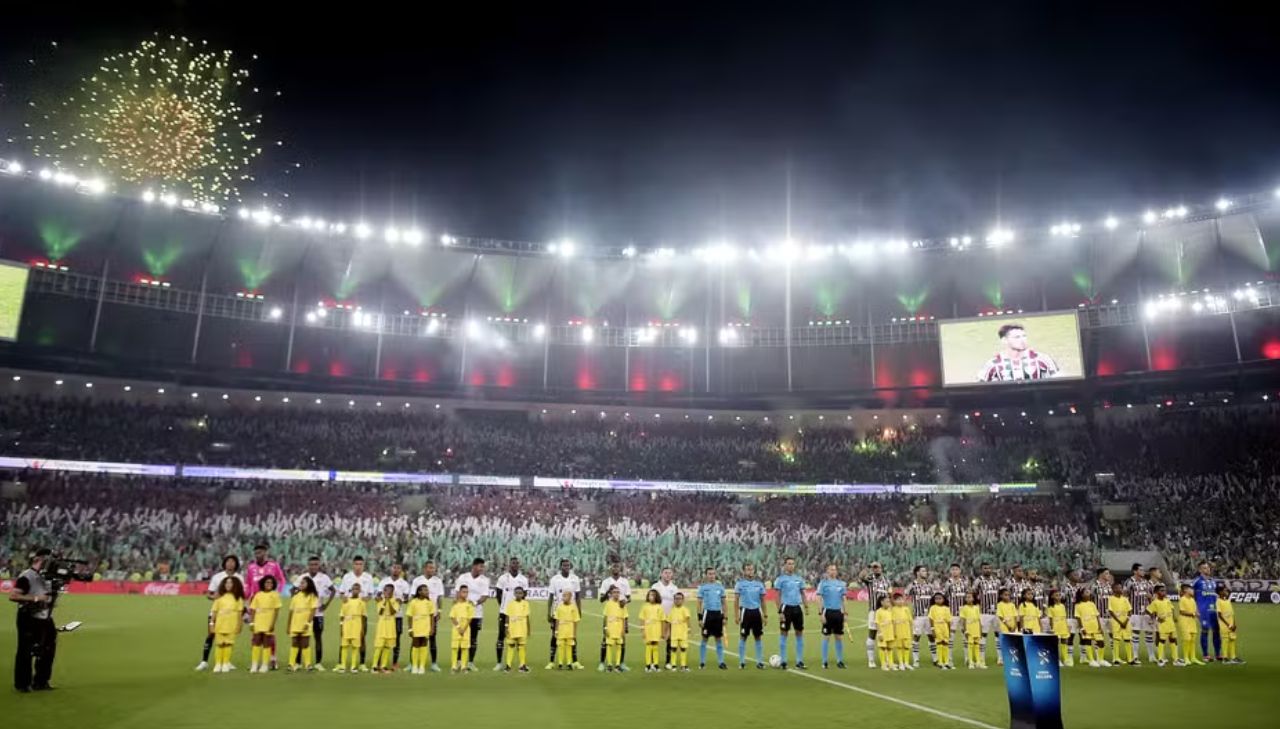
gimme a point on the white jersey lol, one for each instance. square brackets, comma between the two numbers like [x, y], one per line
[507, 584]
[365, 580]
[477, 587]
[325, 590]
[216, 581]
[402, 592]
[623, 585]
[559, 585]
[435, 589]
[667, 591]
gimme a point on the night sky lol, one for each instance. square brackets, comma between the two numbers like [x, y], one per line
[656, 124]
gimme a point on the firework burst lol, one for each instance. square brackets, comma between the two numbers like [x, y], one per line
[164, 114]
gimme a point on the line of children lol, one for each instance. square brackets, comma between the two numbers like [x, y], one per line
[1175, 625]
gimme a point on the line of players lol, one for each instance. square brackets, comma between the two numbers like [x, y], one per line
[1081, 614]
[974, 609]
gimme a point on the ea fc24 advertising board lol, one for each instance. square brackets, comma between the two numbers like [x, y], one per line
[1011, 350]
[13, 287]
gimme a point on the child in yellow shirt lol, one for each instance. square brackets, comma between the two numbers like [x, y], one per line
[679, 623]
[1161, 610]
[1056, 612]
[902, 626]
[302, 609]
[971, 619]
[517, 612]
[615, 629]
[1189, 626]
[461, 615]
[225, 621]
[1029, 612]
[1120, 611]
[352, 615]
[886, 637]
[421, 614]
[653, 621]
[384, 635]
[1227, 627]
[567, 619]
[264, 608]
[940, 623]
[1091, 630]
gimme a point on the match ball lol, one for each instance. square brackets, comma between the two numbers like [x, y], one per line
[775, 660]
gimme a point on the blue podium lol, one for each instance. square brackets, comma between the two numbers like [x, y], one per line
[1032, 679]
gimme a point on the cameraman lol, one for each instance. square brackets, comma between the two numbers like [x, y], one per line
[37, 636]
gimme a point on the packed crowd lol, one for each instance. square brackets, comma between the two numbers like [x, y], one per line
[1201, 485]
[143, 529]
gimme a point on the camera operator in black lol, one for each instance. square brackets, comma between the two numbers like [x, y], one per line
[37, 635]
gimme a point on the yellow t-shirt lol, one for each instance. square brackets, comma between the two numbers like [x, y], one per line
[353, 612]
[421, 613]
[972, 617]
[1007, 617]
[302, 608]
[1058, 625]
[567, 619]
[265, 606]
[1162, 611]
[615, 619]
[652, 618]
[226, 611]
[517, 612]
[901, 622]
[1030, 615]
[679, 620]
[387, 609]
[1226, 617]
[1188, 616]
[460, 617]
[1087, 616]
[940, 621]
[885, 629]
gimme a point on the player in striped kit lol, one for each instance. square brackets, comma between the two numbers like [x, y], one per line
[988, 586]
[1069, 590]
[1101, 589]
[1138, 589]
[921, 592]
[1017, 582]
[877, 586]
[956, 588]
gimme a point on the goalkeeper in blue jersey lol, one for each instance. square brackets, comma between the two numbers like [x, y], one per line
[1206, 589]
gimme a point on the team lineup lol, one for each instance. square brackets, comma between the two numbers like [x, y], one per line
[957, 614]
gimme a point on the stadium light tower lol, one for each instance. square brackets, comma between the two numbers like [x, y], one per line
[1223, 204]
[999, 236]
[1111, 223]
[1149, 217]
[588, 334]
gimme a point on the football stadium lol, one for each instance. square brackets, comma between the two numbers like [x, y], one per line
[316, 463]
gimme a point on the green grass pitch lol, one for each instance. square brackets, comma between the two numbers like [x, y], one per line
[131, 666]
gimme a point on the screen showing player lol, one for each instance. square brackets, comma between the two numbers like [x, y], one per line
[13, 288]
[1006, 349]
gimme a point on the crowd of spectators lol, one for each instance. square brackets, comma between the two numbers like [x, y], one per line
[1205, 484]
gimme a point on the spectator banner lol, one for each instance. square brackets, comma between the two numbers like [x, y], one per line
[131, 469]
[258, 474]
[378, 477]
[1032, 680]
[285, 474]
[964, 488]
[1008, 350]
[489, 480]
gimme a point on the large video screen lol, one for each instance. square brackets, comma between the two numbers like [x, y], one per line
[1007, 350]
[13, 288]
